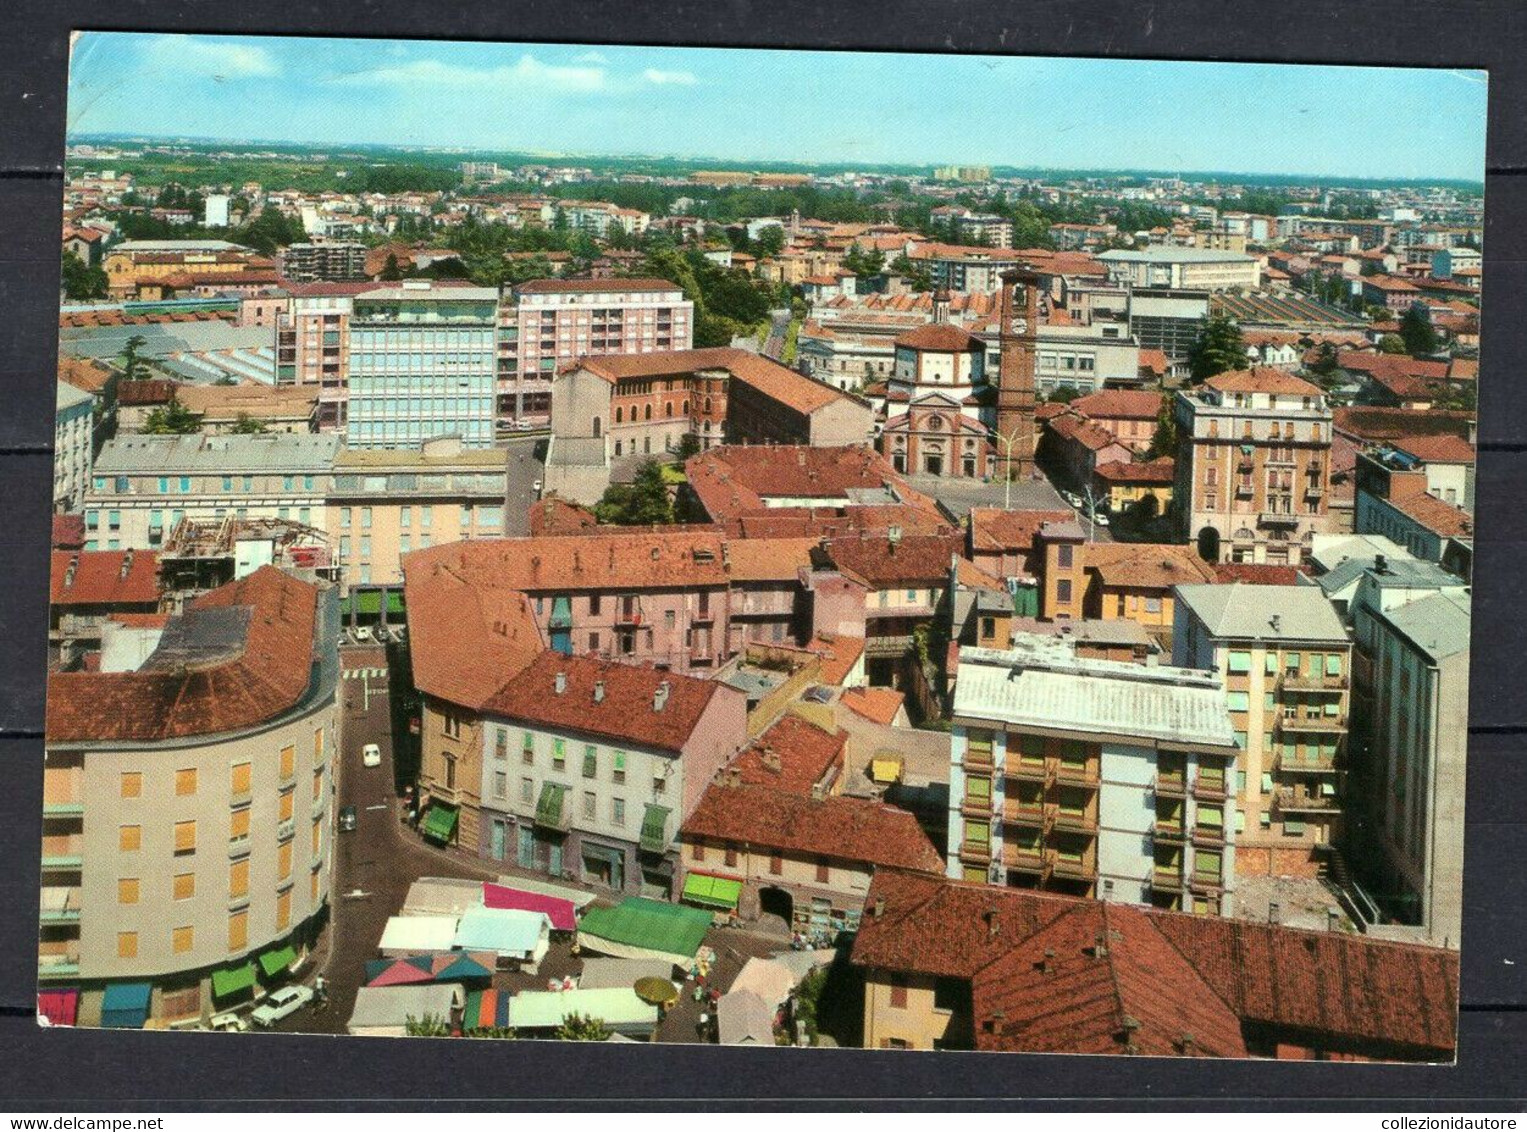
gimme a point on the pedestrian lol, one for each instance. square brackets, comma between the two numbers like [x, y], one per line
[702, 1027]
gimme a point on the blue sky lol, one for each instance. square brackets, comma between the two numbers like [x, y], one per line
[779, 106]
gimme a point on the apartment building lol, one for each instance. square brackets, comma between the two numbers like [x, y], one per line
[143, 486]
[1253, 472]
[547, 324]
[73, 446]
[187, 807]
[590, 768]
[984, 228]
[1193, 269]
[950, 965]
[422, 364]
[1169, 321]
[1090, 777]
[313, 345]
[1286, 662]
[384, 503]
[957, 268]
[1418, 491]
[328, 262]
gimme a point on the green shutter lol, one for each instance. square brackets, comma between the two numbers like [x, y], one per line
[1240, 821]
[1266, 782]
[549, 805]
[1271, 664]
[654, 829]
[620, 761]
[558, 750]
[1240, 661]
[1333, 664]
[590, 762]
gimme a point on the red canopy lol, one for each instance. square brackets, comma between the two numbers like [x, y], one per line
[561, 913]
[59, 1007]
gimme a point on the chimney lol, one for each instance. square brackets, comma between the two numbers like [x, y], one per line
[561, 683]
[127, 565]
[1189, 1046]
[941, 305]
[879, 907]
[1333, 920]
[1380, 564]
[993, 925]
[660, 697]
[1273, 912]
[1048, 961]
[599, 691]
[893, 534]
[771, 758]
[818, 792]
[1276, 621]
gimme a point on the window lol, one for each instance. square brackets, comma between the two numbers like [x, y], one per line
[238, 931]
[620, 767]
[184, 886]
[238, 879]
[1239, 662]
[1063, 591]
[285, 805]
[776, 863]
[618, 811]
[1064, 555]
[129, 838]
[731, 855]
[284, 910]
[500, 784]
[451, 725]
[182, 939]
[559, 753]
[527, 748]
[899, 992]
[1238, 701]
[127, 890]
[127, 945]
[238, 825]
[824, 870]
[590, 800]
[527, 789]
[288, 762]
[132, 783]
[590, 762]
[185, 782]
[185, 837]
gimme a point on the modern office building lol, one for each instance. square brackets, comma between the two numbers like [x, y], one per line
[187, 807]
[143, 486]
[1092, 777]
[422, 364]
[1200, 269]
[547, 324]
[1253, 471]
[1286, 662]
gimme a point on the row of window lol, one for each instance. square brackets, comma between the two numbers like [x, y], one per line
[183, 937]
[1315, 664]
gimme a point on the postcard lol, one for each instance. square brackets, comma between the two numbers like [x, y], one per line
[927, 552]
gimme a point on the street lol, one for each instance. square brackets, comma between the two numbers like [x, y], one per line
[527, 463]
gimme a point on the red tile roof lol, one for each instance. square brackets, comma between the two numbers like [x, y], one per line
[768, 559]
[839, 655]
[1380, 366]
[1262, 379]
[1058, 974]
[852, 829]
[105, 577]
[1120, 404]
[793, 754]
[1160, 471]
[1445, 449]
[789, 388]
[940, 336]
[553, 516]
[1436, 516]
[993, 529]
[68, 532]
[580, 286]
[1255, 573]
[879, 705]
[1157, 566]
[880, 563]
[628, 712]
[266, 674]
[1084, 432]
[1374, 424]
[83, 373]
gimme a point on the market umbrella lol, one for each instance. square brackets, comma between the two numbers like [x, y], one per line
[656, 991]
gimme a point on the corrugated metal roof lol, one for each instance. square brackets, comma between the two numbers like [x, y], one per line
[1044, 684]
[1241, 611]
[1437, 625]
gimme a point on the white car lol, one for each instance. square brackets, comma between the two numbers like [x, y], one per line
[1101, 518]
[371, 755]
[229, 1023]
[281, 1004]
[536, 487]
[363, 632]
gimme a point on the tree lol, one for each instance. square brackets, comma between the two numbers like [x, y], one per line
[770, 241]
[1418, 332]
[1164, 439]
[642, 502]
[245, 425]
[917, 275]
[864, 264]
[1325, 363]
[1218, 348]
[582, 1028]
[428, 1026]
[391, 272]
[82, 281]
[132, 364]
[1391, 344]
[689, 445]
[1147, 507]
[1064, 394]
[173, 419]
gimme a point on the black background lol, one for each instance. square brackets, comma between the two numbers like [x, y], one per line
[81, 1070]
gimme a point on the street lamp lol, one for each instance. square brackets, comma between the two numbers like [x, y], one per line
[1008, 442]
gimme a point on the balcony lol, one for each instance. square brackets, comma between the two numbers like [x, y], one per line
[1297, 682]
[1072, 868]
[286, 830]
[63, 863]
[975, 853]
[239, 799]
[1298, 799]
[1316, 764]
[60, 905]
[1033, 814]
[1169, 832]
[63, 809]
[1166, 879]
[1206, 883]
[977, 807]
[1208, 788]
[978, 757]
[1311, 724]
[1208, 836]
[1073, 821]
[1030, 771]
[1284, 519]
[1171, 785]
[238, 846]
[237, 901]
[1024, 859]
[1070, 774]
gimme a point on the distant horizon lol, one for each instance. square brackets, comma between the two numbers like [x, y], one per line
[810, 108]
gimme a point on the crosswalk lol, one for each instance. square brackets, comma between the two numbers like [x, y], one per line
[364, 673]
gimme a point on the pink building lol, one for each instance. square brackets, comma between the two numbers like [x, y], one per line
[313, 344]
[547, 324]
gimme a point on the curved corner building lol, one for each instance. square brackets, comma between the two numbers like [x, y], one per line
[188, 808]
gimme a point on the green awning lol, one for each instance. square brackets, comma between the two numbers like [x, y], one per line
[232, 980]
[440, 823]
[549, 805]
[561, 613]
[713, 892]
[370, 601]
[274, 963]
[654, 829]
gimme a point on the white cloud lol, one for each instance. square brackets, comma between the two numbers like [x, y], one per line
[529, 74]
[206, 57]
[669, 78]
[590, 57]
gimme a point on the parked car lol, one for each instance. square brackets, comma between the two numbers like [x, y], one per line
[229, 1023]
[363, 632]
[346, 819]
[523, 426]
[371, 755]
[1101, 518]
[536, 487]
[280, 1004]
